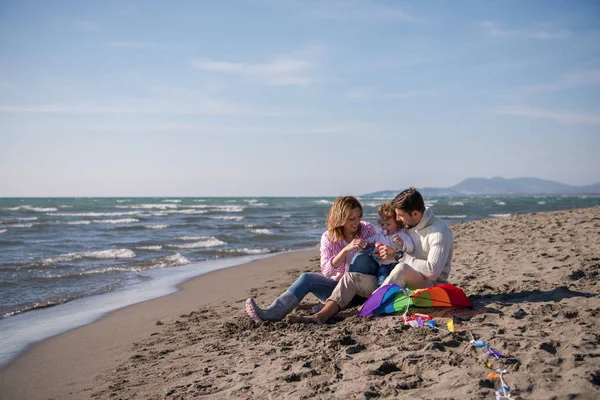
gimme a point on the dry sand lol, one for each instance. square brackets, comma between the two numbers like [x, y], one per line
[533, 280]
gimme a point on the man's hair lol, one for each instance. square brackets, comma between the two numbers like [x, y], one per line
[339, 213]
[386, 211]
[409, 200]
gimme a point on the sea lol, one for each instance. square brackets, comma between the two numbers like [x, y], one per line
[65, 262]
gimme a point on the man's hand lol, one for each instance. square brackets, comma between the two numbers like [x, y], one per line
[385, 252]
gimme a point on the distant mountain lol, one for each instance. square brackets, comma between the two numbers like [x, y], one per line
[500, 186]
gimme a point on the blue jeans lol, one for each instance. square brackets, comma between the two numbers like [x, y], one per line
[383, 272]
[322, 287]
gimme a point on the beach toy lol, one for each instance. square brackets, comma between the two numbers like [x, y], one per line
[392, 298]
[431, 324]
[492, 352]
[451, 325]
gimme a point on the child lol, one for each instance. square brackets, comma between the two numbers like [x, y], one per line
[391, 234]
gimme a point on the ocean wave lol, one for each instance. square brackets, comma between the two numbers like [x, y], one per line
[31, 208]
[82, 222]
[188, 238]
[456, 203]
[216, 207]
[174, 260]
[116, 221]
[452, 216]
[65, 206]
[153, 248]
[230, 208]
[210, 242]
[172, 201]
[28, 219]
[541, 202]
[19, 225]
[150, 206]
[227, 218]
[124, 201]
[94, 271]
[262, 231]
[3, 230]
[500, 203]
[256, 203]
[246, 250]
[156, 226]
[100, 254]
[95, 214]
[190, 211]
[57, 301]
[499, 215]
[323, 202]
[199, 200]
[153, 214]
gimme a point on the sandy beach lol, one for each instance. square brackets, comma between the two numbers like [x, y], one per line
[533, 280]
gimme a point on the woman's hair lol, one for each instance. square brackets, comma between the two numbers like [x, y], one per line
[339, 213]
[386, 211]
[409, 200]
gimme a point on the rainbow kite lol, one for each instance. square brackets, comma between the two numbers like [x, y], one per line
[392, 298]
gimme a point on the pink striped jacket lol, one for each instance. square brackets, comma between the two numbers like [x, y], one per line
[330, 249]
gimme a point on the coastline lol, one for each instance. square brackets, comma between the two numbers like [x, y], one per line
[108, 338]
[533, 279]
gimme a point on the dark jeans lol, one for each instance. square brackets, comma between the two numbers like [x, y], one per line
[322, 287]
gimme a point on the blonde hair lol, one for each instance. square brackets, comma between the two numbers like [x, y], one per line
[339, 213]
[386, 211]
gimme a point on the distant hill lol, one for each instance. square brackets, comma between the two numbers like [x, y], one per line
[499, 186]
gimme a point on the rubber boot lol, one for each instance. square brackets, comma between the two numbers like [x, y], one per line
[281, 307]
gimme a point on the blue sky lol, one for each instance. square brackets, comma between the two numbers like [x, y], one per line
[229, 98]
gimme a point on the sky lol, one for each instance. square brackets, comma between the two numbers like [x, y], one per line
[294, 98]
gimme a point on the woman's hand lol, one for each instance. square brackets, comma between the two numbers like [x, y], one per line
[356, 244]
[385, 252]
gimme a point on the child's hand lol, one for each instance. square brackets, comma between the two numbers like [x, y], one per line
[385, 252]
[396, 239]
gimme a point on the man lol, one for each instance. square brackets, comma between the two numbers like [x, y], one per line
[429, 264]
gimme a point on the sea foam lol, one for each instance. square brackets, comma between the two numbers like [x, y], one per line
[210, 242]
[31, 208]
[100, 254]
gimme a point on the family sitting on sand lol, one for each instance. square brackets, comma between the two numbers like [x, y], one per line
[413, 249]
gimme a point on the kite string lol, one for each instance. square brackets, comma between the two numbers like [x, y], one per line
[503, 391]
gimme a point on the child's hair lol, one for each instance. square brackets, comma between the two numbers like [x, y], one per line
[339, 213]
[386, 211]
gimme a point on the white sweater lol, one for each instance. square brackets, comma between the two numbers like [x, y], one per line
[433, 248]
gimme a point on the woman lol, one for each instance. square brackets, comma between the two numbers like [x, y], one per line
[346, 234]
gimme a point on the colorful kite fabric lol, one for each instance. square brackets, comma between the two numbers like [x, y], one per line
[393, 298]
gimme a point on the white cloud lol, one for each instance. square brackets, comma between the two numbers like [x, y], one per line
[147, 105]
[568, 81]
[494, 29]
[372, 93]
[558, 116]
[226, 129]
[280, 71]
